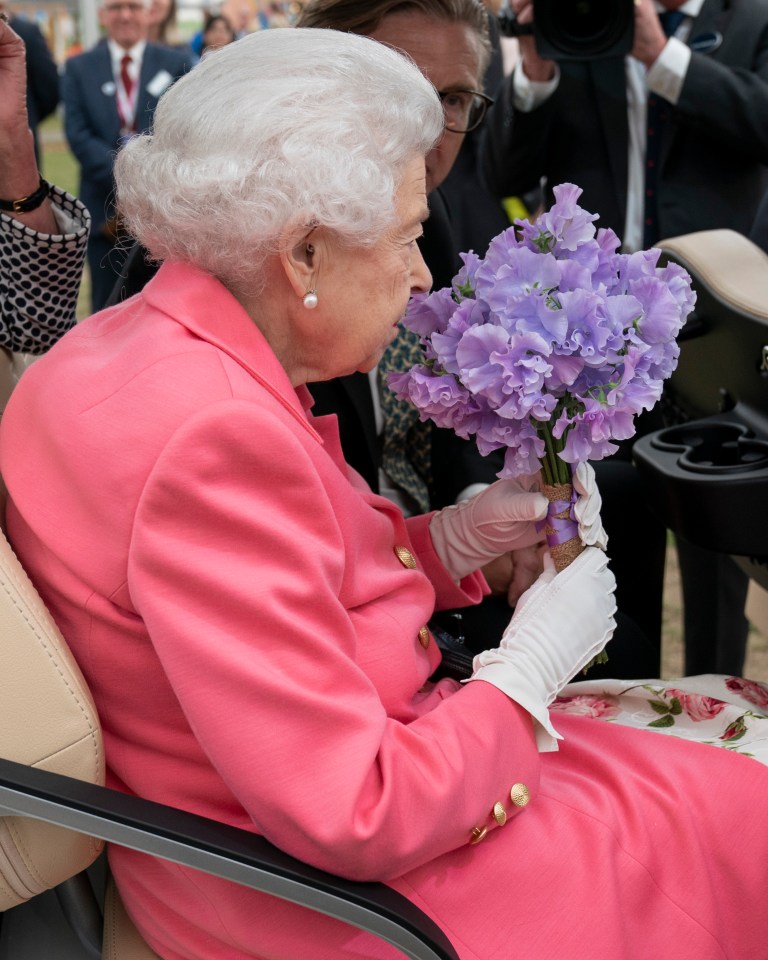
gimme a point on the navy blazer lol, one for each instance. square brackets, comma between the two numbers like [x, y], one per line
[91, 120]
[714, 148]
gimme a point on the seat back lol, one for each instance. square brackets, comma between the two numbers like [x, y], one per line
[723, 359]
[47, 720]
[122, 941]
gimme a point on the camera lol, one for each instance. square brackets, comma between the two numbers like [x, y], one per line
[576, 29]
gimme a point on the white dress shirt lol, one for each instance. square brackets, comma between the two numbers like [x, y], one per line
[126, 104]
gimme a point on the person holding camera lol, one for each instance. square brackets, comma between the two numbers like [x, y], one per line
[668, 140]
[584, 119]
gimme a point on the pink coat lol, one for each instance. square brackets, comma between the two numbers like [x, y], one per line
[254, 644]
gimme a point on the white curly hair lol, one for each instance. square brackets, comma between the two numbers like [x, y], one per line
[280, 131]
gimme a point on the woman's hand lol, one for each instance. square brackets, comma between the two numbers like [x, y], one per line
[500, 519]
[19, 175]
[559, 625]
[512, 573]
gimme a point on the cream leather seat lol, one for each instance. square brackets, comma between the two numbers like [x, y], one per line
[49, 721]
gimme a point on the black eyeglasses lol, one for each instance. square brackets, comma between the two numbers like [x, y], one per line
[464, 109]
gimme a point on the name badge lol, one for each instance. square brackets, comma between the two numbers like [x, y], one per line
[159, 83]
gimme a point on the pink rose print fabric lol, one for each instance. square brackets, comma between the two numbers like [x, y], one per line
[726, 712]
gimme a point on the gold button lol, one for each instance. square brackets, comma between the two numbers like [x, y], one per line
[520, 795]
[499, 813]
[405, 557]
[478, 833]
[424, 637]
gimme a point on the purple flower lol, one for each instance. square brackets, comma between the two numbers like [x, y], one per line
[588, 333]
[661, 320]
[553, 333]
[467, 315]
[427, 313]
[522, 273]
[441, 399]
[589, 435]
[678, 283]
[509, 371]
[567, 221]
[465, 278]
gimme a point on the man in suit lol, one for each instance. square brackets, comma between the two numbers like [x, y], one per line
[110, 93]
[582, 121]
[702, 66]
[451, 44]
[42, 73]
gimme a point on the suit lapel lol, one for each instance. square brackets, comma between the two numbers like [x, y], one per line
[610, 82]
[146, 103]
[712, 18]
[104, 93]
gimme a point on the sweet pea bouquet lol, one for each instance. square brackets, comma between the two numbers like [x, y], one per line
[549, 346]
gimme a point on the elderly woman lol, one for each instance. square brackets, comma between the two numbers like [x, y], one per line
[251, 618]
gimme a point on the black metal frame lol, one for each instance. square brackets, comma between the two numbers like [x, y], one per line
[220, 850]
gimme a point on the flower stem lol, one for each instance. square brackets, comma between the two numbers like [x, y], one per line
[553, 469]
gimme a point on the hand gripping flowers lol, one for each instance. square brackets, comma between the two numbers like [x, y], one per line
[549, 346]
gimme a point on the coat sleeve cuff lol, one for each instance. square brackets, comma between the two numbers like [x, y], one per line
[449, 594]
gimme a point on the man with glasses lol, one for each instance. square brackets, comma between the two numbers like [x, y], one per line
[417, 465]
[110, 93]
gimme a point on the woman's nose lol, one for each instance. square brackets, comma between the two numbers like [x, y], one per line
[421, 278]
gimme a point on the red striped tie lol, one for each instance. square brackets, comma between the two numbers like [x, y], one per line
[125, 76]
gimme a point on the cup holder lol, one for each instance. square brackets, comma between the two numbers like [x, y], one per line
[714, 448]
[709, 480]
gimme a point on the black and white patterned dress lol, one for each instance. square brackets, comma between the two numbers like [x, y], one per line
[40, 276]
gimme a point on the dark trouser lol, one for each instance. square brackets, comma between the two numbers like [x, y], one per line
[637, 546]
[714, 593]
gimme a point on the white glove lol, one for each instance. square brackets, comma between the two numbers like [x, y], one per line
[587, 507]
[499, 519]
[559, 625]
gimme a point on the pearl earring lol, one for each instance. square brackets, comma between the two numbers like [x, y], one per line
[310, 299]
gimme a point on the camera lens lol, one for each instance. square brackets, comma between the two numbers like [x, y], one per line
[582, 28]
[582, 19]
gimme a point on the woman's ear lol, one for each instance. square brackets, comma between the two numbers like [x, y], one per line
[300, 266]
